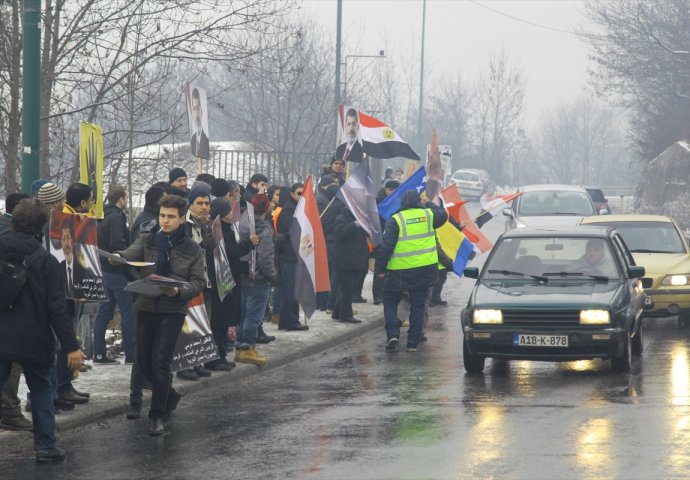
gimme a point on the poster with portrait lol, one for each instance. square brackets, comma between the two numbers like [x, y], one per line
[91, 164]
[349, 145]
[195, 345]
[197, 113]
[74, 242]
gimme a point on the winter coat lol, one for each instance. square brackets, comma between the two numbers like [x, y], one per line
[284, 245]
[265, 251]
[249, 192]
[148, 214]
[351, 250]
[187, 263]
[328, 219]
[412, 278]
[113, 235]
[5, 223]
[26, 332]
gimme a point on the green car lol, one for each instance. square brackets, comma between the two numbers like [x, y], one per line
[558, 294]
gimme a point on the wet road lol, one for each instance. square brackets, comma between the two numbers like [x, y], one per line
[357, 412]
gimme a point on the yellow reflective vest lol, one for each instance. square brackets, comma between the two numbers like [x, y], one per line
[416, 245]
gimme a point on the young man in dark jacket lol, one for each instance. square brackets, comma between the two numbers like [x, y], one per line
[257, 184]
[256, 285]
[149, 215]
[113, 235]
[160, 318]
[27, 331]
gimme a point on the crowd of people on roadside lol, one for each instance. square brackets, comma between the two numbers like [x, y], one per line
[173, 233]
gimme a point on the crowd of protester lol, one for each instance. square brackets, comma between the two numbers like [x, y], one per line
[173, 231]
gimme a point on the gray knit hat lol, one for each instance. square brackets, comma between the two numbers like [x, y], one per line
[50, 193]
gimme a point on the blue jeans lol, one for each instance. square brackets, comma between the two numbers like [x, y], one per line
[277, 296]
[42, 407]
[115, 284]
[391, 300]
[255, 295]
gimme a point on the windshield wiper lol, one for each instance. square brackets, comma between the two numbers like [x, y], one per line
[540, 278]
[599, 278]
[647, 250]
[565, 213]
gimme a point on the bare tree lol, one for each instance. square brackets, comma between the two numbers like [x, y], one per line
[10, 91]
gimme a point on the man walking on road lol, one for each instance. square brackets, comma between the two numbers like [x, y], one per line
[407, 261]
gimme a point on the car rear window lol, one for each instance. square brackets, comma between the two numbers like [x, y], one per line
[466, 176]
[555, 202]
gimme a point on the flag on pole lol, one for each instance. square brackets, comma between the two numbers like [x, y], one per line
[391, 204]
[308, 242]
[452, 201]
[471, 231]
[456, 245]
[360, 133]
[493, 206]
[359, 194]
[91, 164]
[434, 169]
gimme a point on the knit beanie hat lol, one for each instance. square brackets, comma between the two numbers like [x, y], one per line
[219, 206]
[260, 203]
[50, 193]
[199, 189]
[36, 186]
[220, 187]
[176, 173]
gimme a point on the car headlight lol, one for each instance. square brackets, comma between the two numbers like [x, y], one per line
[675, 280]
[487, 316]
[594, 317]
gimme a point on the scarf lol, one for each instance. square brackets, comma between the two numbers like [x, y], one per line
[164, 243]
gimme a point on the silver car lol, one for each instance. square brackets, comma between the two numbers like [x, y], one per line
[549, 205]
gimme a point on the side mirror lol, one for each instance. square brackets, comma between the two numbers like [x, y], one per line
[603, 211]
[472, 272]
[508, 212]
[636, 272]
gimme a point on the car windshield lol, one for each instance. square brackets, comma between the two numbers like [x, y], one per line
[466, 176]
[650, 237]
[553, 258]
[555, 202]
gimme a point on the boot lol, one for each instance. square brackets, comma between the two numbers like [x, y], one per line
[259, 359]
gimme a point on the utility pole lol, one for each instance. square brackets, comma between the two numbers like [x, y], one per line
[420, 120]
[338, 37]
[31, 92]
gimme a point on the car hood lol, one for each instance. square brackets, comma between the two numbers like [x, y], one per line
[555, 293]
[663, 263]
[550, 220]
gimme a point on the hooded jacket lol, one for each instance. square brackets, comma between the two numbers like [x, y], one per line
[149, 213]
[113, 235]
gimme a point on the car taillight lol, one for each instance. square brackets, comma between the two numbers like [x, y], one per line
[602, 206]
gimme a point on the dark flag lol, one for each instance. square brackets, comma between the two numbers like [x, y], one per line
[359, 194]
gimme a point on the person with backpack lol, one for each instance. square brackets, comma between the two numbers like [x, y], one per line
[32, 307]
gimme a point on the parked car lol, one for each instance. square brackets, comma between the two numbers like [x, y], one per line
[536, 299]
[601, 203]
[658, 244]
[548, 205]
[472, 183]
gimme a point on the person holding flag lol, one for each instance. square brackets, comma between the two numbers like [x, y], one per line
[408, 261]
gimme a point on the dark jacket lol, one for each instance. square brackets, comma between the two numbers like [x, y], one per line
[328, 219]
[249, 192]
[187, 262]
[351, 250]
[26, 332]
[413, 278]
[113, 235]
[148, 214]
[284, 246]
[265, 251]
[5, 223]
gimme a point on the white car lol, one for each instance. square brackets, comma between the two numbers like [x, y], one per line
[549, 206]
[471, 182]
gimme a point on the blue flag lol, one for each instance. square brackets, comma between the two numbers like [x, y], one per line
[391, 203]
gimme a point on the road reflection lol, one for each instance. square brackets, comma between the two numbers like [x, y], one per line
[593, 448]
[678, 459]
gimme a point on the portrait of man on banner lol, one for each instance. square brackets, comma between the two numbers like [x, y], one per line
[350, 147]
[197, 113]
[195, 345]
[74, 243]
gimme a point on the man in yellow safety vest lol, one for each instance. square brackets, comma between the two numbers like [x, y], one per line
[408, 261]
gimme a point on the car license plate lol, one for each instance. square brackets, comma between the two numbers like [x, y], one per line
[521, 340]
[647, 300]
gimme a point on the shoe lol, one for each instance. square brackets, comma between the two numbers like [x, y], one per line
[218, 367]
[18, 423]
[63, 405]
[350, 320]
[70, 397]
[134, 412]
[392, 343]
[80, 394]
[49, 456]
[297, 328]
[405, 324]
[250, 355]
[275, 317]
[105, 360]
[329, 311]
[355, 311]
[85, 367]
[189, 375]
[202, 372]
[359, 299]
[437, 301]
[378, 301]
[157, 427]
[423, 339]
[129, 360]
[261, 336]
[173, 400]
[411, 348]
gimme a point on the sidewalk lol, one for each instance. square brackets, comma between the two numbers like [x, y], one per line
[109, 384]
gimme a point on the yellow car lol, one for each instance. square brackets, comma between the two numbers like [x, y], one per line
[657, 244]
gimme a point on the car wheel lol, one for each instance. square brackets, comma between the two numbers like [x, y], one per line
[473, 363]
[637, 346]
[623, 362]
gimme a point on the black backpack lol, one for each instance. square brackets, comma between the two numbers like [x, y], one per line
[13, 275]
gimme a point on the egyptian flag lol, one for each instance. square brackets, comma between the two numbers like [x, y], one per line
[360, 133]
[452, 201]
[492, 206]
[308, 242]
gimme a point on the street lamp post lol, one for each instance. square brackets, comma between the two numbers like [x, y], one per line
[31, 106]
[420, 119]
[382, 54]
